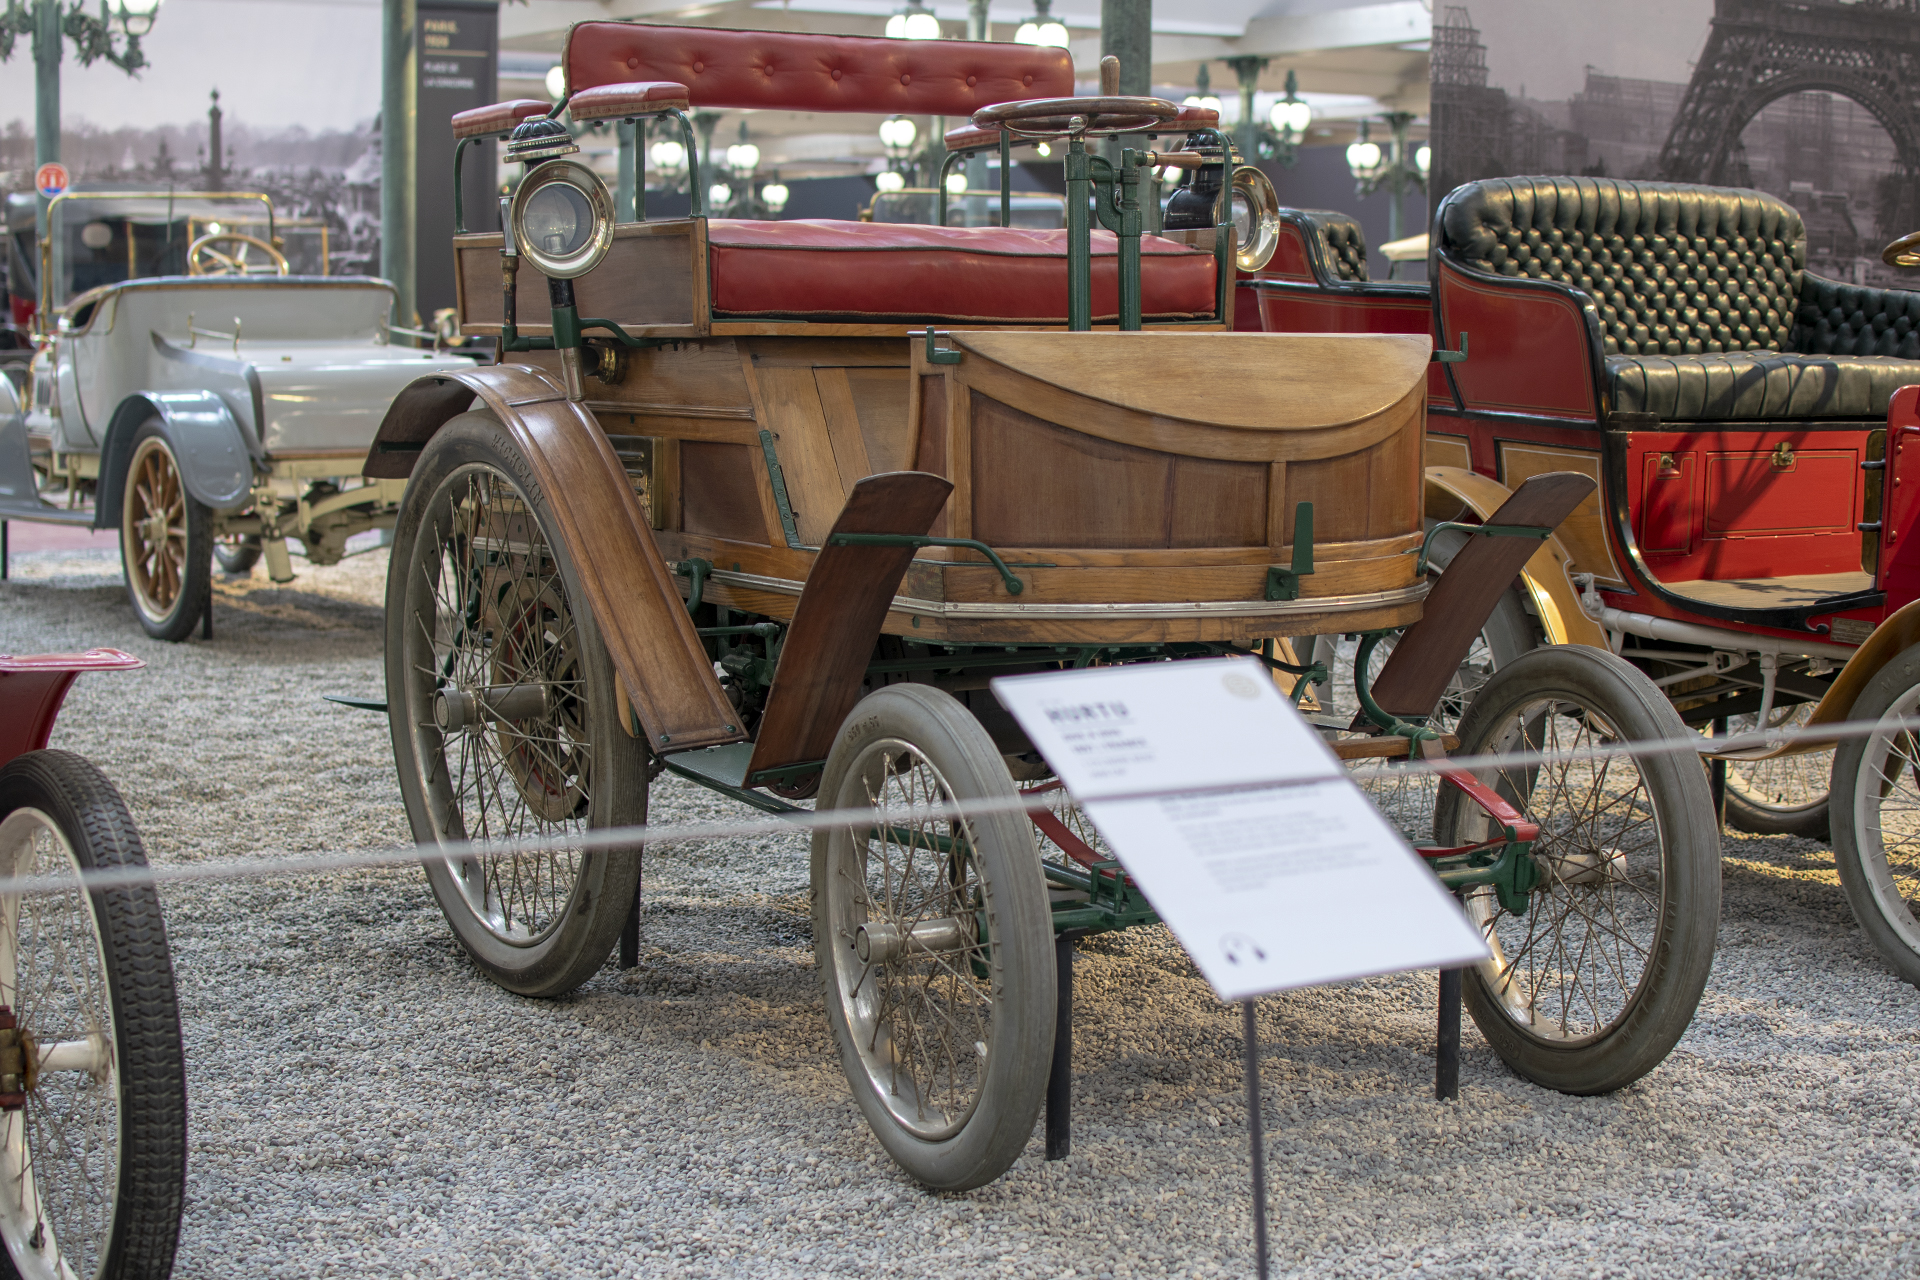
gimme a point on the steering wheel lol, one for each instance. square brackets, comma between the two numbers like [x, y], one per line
[234, 264]
[1076, 117]
[1904, 252]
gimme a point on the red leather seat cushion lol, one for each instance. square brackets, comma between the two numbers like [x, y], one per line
[907, 271]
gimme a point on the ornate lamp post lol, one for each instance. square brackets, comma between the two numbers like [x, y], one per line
[1043, 28]
[915, 22]
[896, 135]
[1393, 169]
[742, 159]
[775, 195]
[668, 158]
[114, 36]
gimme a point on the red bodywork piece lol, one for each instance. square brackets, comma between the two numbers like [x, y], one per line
[806, 267]
[33, 687]
[22, 309]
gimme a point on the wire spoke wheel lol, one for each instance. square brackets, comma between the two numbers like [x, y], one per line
[1783, 795]
[1876, 829]
[164, 547]
[1590, 985]
[934, 940]
[93, 1137]
[505, 726]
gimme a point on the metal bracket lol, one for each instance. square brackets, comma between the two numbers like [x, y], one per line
[939, 355]
[780, 499]
[1443, 356]
[1014, 585]
[1489, 530]
[1284, 584]
[698, 570]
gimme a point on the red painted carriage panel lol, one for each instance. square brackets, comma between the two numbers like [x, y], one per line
[1761, 492]
[1665, 526]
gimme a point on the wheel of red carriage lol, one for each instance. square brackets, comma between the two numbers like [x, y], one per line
[1782, 795]
[504, 718]
[1876, 815]
[1594, 982]
[93, 1104]
[934, 939]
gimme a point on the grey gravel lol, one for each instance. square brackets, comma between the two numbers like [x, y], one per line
[364, 1103]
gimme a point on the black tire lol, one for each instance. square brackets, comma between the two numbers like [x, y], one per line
[538, 923]
[166, 551]
[1782, 796]
[59, 814]
[1629, 855]
[1876, 840]
[948, 1120]
[237, 554]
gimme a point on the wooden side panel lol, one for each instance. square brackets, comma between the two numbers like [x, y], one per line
[880, 399]
[1039, 485]
[1395, 489]
[654, 275]
[1449, 451]
[1337, 488]
[1584, 534]
[843, 426]
[788, 403]
[718, 495]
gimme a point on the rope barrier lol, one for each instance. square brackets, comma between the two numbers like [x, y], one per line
[281, 864]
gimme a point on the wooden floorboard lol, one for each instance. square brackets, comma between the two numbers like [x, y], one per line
[1772, 593]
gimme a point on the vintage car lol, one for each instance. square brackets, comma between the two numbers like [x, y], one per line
[1751, 542]
[198, 398]
[767, 504]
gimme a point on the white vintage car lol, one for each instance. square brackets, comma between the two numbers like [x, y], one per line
[205, 413]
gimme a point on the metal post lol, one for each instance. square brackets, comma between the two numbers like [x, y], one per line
[1446, 1057]
[1248, 70]
[397, 177]
[46, 102]
[626, 196]
[630, 933]
[1250, 1035]
[1717, 776]
[1132, 171]
[1126, 32]
[1079, 237]
[3, 550]
[1060, 1073]
[704, 121]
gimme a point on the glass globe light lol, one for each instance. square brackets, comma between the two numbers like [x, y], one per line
[1044, 150]
[136, 16]
[956, 184]
[556, 82]
[775, 195]
[718, 194]
[889, 182]
[1423, 159]
[1363, 157]
[667, 156]
[1290, 117]
[898, 133]
[914, 24]
[743, 157]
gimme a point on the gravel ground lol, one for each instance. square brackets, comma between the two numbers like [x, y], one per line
[364, 1103]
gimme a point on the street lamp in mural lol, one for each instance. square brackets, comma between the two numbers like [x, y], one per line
[113, 36]
[1395, 168]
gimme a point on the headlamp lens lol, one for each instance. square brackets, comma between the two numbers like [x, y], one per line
[558, 220]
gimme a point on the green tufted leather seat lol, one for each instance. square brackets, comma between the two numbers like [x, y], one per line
[1345, 243]
[1706, 310]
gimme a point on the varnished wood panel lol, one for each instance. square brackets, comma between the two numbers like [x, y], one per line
[880, 398]
[717, 491]
[1395, 489]
[1039, 485]
[1337, 488]
[843, 427]
[702, 378]
[1583, 533]
[653, 276]
[930, 438]
[787, 400]
[1448, 451]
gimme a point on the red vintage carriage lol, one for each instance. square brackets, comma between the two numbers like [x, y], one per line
[1751, 426]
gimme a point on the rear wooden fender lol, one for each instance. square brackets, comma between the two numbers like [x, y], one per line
[658, 655]
[1456, 491]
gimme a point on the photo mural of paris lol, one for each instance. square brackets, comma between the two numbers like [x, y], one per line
[1816, 102]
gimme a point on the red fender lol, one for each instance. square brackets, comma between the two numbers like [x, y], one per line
[33, 687]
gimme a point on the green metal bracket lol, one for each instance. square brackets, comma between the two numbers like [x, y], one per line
[1415, 734]
[626, 339]
[1443, 356]
[939, 355]
[1284, 584]
[1489, 530]
[780, 500]
[698, 570]
[1014, 585]
[1514, 874]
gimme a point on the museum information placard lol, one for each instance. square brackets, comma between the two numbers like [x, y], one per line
[1240, 825]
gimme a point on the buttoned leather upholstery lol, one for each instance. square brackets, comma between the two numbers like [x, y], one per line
[1706, 309]
[1345, 243]
[893, 271]
[799, 71]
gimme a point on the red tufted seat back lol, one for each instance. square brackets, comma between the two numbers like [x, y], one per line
[798, 71]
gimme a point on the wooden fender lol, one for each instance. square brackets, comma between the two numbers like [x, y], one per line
[1899, 632]
[662, 665]
[1547, 573]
